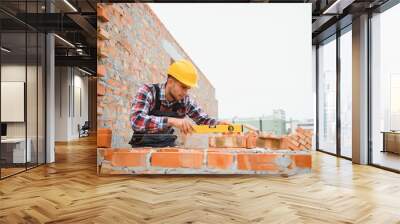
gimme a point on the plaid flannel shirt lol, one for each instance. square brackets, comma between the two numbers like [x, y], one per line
[144, 102]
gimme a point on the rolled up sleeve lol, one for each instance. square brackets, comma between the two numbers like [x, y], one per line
[197, 114]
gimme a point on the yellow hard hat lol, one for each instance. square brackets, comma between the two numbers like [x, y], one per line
[184, 71]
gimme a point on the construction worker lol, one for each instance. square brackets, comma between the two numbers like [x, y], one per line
[159, 107]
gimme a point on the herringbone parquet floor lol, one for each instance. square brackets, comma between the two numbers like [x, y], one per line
[70, 192]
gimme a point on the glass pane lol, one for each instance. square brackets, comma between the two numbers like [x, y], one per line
[327, 96]
[386, 89]
[346, 93]
[41, 98]
[13, 86]
[31, 98]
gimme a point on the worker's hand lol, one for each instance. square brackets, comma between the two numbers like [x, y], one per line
[224, 122]
[184, 125]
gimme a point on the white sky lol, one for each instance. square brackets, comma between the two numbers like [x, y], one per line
[257, 56]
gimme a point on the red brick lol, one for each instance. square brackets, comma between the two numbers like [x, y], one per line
[124, 87]
[300, 130]
[301, 135]
[101, 89]
[104, 136]
[133, 158]
[129, 20]
[230, 141]
[106, 153]
[113, 83]
[284, 143]
[294, 147]
[100, 44]
[103, 52]
[266, 135]
[102, 15]
[212, 142]
[293, 142]
[269, 142]
[109, 92]
[302, 161]
[219, 160]
[109, 152]
[187, 159]
[126, 45]
[100, 110]
[101, 70]
[251, 140]
[257, 161]
[102, 34]
[302, 141]
[104, 131]
[113, 52]
[308, 133]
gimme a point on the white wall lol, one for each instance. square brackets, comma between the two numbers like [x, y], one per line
[61, 103]
[12, 73]
[67, 117]
[80, 83]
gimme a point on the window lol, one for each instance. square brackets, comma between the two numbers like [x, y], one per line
[346, 93]
[385, 88]
[327, 96]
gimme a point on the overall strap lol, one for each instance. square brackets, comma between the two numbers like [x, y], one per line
[157, 99]
[156, 110]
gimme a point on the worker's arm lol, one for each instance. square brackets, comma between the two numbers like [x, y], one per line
[197, 114]
[184, 125]
[140, 120]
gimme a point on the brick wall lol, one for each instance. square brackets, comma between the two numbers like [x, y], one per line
[131, 52]
[249, 153]
[203, 161]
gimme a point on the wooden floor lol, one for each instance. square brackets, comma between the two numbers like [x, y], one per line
[387, 159]
[70, 192]
[5, 172]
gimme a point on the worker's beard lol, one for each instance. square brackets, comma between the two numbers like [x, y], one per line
[169, 93]
[173, 97]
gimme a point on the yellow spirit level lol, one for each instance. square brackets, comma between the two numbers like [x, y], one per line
[234, 128]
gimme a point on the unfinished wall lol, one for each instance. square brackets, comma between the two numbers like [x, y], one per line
[135, 48]
[203, 161]
[231, 153]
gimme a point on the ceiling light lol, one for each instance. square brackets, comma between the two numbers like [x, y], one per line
[5, 49]
[70, 5]
[84, 71]
[65, 41]
[338, 6]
